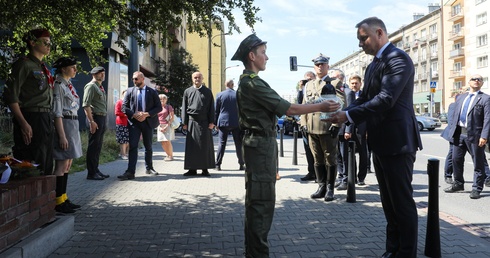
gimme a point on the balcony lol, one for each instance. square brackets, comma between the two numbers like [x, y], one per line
[456, 34]
[455, 74]
[433, 55]
[455, 16]
[456, 53]
[422, 76]
[433, 36]
[406, 46]
[435, 74]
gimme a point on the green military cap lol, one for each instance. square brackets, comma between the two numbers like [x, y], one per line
[321, 59]
[246, 46]
[97, 69]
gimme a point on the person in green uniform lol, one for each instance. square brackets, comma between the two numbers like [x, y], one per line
[29, 95]
[95, 107]
[258, 108]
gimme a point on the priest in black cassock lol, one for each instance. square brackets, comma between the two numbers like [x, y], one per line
[198, 120]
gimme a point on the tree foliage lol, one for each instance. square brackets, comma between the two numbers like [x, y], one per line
[174, 80]
[88, 22]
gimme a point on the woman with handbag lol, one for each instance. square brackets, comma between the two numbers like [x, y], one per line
[165, 131]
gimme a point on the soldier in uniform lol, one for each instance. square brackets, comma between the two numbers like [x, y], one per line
[258, 108]
[95, 107]
[29, 95]
[323, 136]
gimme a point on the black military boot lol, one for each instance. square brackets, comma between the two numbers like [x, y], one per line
[331, 175]
[321, 176]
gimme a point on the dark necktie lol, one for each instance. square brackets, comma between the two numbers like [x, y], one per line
[462, 116]
[140, 100]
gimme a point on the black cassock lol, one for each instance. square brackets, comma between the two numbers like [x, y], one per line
[197, 114]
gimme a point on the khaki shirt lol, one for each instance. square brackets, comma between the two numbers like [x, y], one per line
[28, 85]
[258, 104]
[95, 98]
[313, 90]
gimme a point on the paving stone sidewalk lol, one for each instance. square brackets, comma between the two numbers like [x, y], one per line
[174, 216]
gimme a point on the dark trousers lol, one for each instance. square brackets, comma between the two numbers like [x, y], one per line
[223, 138]
[40, 150]
[478, 156]
[309, 155]
[448, 165]
[95, 145]
[394, 174]
[343, 161]
[136, 130]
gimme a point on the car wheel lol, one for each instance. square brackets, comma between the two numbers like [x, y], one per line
[420, 126]
[431, 129]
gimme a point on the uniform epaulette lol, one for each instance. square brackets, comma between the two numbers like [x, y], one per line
[253, 75]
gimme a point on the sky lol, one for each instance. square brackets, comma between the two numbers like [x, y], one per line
[305, 28]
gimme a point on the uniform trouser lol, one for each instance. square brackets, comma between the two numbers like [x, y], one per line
[478, 156]
[136, 130]
[260, 154]
[223, 138]
[309, 155]
[40, 150]
[324, 150]
[394, 174]
[95, 146]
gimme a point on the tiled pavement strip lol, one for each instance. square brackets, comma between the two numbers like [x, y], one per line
[173, 216]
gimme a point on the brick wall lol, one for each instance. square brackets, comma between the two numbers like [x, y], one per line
[25, 206]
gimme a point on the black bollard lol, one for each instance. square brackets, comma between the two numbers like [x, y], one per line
[295, 148]
[351, 174]
[281, 149]
[433, 236]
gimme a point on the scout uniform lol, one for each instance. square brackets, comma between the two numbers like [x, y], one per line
[30, 84]
[258, 108]
[322, 136]
[94, 96]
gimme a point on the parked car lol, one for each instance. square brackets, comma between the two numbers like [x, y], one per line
[443, 117]
[429, 123]
[280, 123]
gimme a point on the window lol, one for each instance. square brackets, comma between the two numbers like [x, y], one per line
[424, 54]
[457, 86]
[481, 19]
[482, 40]
[434, 67]
[433, 50]
[456, 28]
[423, 34]
[426, 86]
[482, 61]
[455, 10]
[433, 29]
[458, 66]
[153, 50]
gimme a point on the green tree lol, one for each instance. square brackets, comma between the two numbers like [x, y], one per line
[176, 78]
[88, 22]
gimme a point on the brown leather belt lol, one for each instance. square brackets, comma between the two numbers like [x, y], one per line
[100, 114]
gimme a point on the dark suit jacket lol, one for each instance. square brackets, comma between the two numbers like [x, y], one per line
[477, 122]
[386, 104]
[358, 131]
[450, 113]
[152, 105]
[226, 109]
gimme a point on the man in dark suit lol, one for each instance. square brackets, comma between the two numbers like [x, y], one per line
[356, 133]
[386, 104]
[226, 119]
[469, 131]
[141, 104]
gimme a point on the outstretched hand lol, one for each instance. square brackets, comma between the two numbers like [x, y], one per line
[337, 117]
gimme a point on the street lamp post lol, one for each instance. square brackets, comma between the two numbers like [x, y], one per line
[210, 44]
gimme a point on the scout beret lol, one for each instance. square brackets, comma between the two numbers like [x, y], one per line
[97, 69]
[35, 34]
[64, 62]
[246, 46]
[321, 59]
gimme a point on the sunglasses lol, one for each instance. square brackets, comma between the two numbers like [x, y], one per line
[476, 79]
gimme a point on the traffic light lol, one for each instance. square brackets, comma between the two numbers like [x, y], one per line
[293, 64]
[429, 97]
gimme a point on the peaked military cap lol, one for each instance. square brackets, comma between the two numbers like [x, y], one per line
[321, 59]
[64, 62]
[246, 46]
[97, 69]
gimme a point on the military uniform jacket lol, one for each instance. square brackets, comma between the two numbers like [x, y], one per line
[28, 85]
[313, 91]
[94, 97]
[258, 104]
